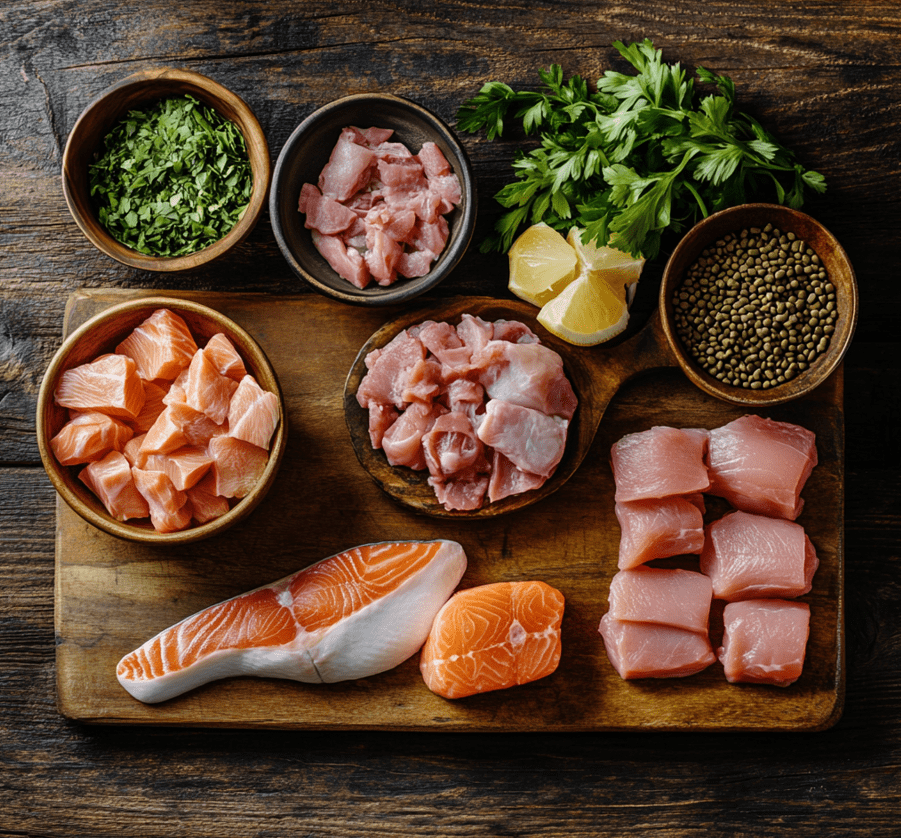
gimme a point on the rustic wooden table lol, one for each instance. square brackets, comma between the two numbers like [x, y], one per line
[823, 75]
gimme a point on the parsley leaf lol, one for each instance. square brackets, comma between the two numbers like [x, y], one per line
[643, 155]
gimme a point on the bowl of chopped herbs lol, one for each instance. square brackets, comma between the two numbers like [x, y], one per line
[166, 171]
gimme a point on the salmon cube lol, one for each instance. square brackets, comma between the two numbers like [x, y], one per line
[176, 392]
[108, 385]
[207, 505]
[764, 641]
[132, 451]
[162, 346]
[253, 413]
[237, 466]
[89, 437]
[221, 351]
[165, 435]
[169, 507]
[111, 480]
[206, 389]
[185, 466]
[153, 407]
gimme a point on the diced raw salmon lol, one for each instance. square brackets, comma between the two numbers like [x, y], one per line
[88, 437]
[169, 507]
[176, 392]
[381, 417]
[764, 641]
[237, 465]
[666, 596]
[111, 480]
[162, 346]
[132, 451]
[184, 466]
[656, 529]
[352, 615]
[648, 650]
[108, 385]
[205, 503]
[206, 389]
[252, 413]
[493, 637]
[221, 351]
[165, 435]
[153, 407]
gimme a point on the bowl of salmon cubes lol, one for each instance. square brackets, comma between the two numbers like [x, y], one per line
[160, 420]
[373, 200]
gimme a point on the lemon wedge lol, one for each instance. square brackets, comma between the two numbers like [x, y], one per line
[542, 264]
[587, 312]
[617, 267]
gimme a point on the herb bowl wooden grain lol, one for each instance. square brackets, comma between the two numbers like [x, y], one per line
[305, 154]
[833, 258]
[101, 334]
[142, 89]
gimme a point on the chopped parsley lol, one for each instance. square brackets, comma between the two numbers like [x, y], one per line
[641, 156]
[171, 179]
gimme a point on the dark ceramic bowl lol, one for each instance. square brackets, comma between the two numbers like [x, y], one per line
[135, 91]
[305, 154]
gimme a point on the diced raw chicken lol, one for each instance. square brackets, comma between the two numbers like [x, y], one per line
[451, 446]
[347, 171]
[325, 214]
[423, 383]
[221, 351]
[666, 596]
[162, 346]
[465, 491]
[345, 261]
[206, 505]
[659, 463]
[647, 650]
[381, 417]
[381, 256]
[764, 641]
[431, 236]
[390, 371]
[401, 172]
[533, 441]
[206, 389]
[751, 556]
[169, 507]
[507, 479]
[433, 161]
[442, 340]
[514, 331]
[153, 407]
[111, 480]
[253, 413]
[527, 374]
[656, 529]
[475, 332]
[415, 263]
[108, 385]
[467, 397]
[88, 437]
[402, 442]
[237, 466]
[761, 466]
[397, 224]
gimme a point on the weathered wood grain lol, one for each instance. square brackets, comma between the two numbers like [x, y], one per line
[821, 73]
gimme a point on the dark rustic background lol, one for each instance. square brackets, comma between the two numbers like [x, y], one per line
[822, 74]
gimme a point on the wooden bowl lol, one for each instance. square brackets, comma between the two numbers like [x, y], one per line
[305, 154]
[86, 138]
[833, 258]
[101, 334]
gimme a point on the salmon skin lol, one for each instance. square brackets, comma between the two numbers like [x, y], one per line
[351, 615]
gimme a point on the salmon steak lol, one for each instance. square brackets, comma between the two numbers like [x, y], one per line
[493, 637]
[352, 615]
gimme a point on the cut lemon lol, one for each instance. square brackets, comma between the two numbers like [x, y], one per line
[618, 268]
[587, 312]
[542, 264]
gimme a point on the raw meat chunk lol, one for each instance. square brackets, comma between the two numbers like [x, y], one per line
[655, 529]
[108, 385]
[253, 413]
[451, 446]
[751, 556]
[88, 437]
[761, 466]
[646, 650]
[170, 510]
[660, 462]
[507, 479]
[161, 347]
[348, 169]
[390, 370]
[531, 440]
[111, 480]
[671, 597]
[764, 641]
[402, 442]
[237, 466]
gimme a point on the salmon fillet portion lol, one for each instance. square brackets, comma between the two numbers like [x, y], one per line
[108, 385]
[493, 637]
[352, 615]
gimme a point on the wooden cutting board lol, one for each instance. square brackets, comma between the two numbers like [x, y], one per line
[113, 595]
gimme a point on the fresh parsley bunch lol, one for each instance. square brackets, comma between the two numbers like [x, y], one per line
[642, 155]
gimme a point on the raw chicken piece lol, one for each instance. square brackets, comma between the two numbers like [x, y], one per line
[389, 371]
[527, 374]
[507, 479]
[381, 417]
[655, 529]
[324, 213]
[646, 650]
[764, 641]
[659, 462]
[451, 446]
[402, 442]
[464, 490]
[670, 597]
[345, 261]
[533, 441]
[751, 556]
[112, 481]
[761, 466]
[348, 169]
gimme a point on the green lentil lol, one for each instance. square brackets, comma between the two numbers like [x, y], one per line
[756, 308]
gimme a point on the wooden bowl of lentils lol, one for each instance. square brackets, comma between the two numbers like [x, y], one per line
[759, 304]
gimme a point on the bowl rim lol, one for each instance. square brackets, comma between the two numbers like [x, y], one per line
[258, 155]
[689, 248]
[106, 522]
[400, 291]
